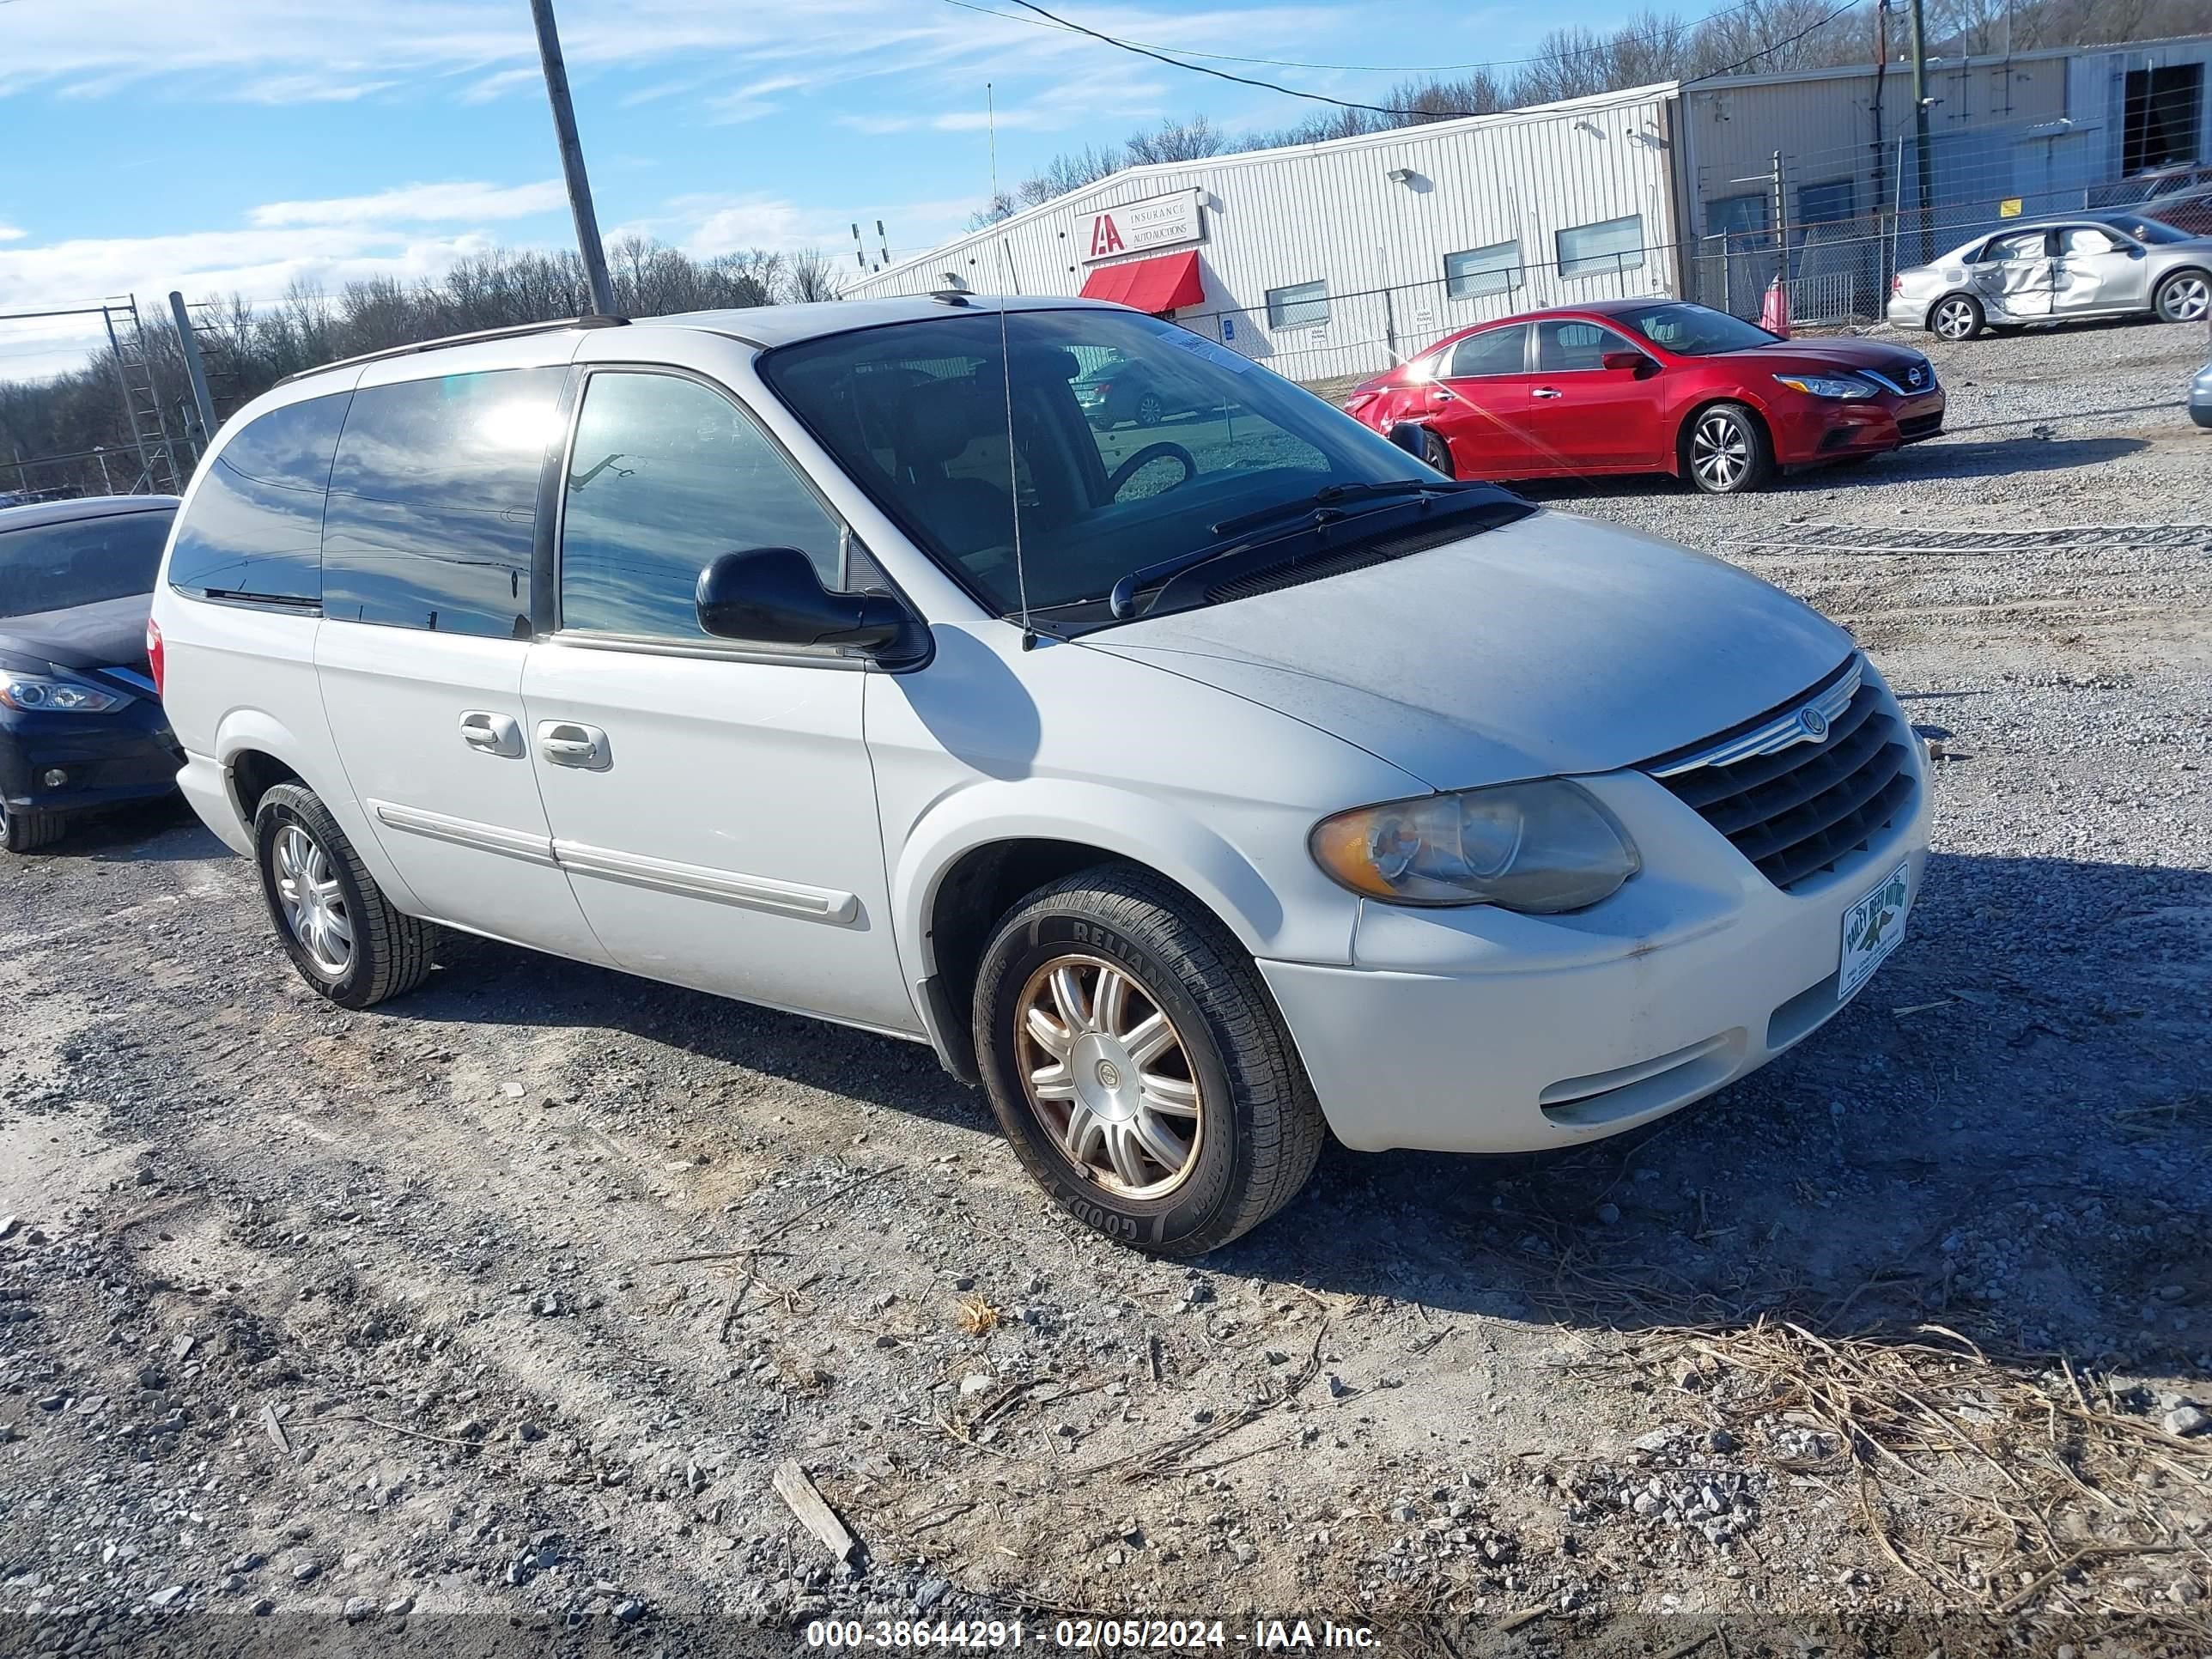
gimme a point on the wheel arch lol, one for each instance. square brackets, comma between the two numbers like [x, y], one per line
[964, 868]
[2178, 271]
[1706, 400]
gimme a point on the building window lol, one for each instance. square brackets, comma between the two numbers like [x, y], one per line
[1745, 216]
[1492, 270]
[2163, 111]
[1301, 305]
[1611, 245]
[1825, 204]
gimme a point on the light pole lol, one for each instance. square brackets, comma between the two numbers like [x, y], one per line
[572, 159]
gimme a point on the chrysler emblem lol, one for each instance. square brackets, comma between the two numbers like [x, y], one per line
[1814, 722]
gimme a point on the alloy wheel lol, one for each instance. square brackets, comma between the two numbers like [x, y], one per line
[2186, 298]
[315, 905]
[1720, 452]
[1954, 319]
[1150, 409]
[1109, 1075]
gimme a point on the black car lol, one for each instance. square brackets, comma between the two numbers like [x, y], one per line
[80, 723]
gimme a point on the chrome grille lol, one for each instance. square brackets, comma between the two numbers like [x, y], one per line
[1796, 804]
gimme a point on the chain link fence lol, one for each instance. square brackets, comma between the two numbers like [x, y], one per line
[1331, 337]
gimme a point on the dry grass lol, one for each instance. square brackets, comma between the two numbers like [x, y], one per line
[2009, 1483]
[974, 1316]
[2003, 1484]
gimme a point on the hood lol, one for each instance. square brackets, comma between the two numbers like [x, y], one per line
[109, 634]
[1553, 645]
[1785, 354]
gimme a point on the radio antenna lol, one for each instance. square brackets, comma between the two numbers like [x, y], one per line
[1006, 376]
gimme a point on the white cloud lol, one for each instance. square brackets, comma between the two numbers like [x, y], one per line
[407, 232]
[753, 100]
[281, 51]
[446, 204]
[305, 89]
[499, 85]
[11, 233]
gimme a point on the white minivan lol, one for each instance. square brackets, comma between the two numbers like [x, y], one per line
[1194, 788]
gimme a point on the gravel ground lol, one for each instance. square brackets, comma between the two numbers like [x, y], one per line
[505, 1302]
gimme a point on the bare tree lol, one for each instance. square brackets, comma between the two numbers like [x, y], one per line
[806, 277]
[1175, 141]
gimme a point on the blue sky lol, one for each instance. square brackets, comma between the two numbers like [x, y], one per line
[221, 146]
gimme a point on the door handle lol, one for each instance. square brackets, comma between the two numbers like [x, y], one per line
[567, 743]
[1443, 394]
[494, 734]
[1546, 391]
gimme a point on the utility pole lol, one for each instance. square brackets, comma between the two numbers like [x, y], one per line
[195, 371]
[1925, 161]
[572, 159]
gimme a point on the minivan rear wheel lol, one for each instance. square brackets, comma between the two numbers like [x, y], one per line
[344, 936]
[1136, 1063]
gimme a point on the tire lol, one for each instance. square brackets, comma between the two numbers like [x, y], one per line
[1956, 317]
[1225, 1067]
[1725, 449]
[2185, 296]
[296, 842]
[1150, 411]
[1437, 452]
[25, 830]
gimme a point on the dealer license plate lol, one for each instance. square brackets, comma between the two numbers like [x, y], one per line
[1873, 929]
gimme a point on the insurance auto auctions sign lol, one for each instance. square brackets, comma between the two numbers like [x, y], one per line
[1156, 222]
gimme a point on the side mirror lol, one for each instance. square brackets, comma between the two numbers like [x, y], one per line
[1409, 436]
[771, 596]
[1633, 362]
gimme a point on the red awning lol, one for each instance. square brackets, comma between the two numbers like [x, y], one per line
[1166, 283]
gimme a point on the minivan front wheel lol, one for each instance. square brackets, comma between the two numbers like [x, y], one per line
[1136, 1063]
[344, 936]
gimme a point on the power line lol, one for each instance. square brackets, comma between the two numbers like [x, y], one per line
[1386, 109]
[1607, 45]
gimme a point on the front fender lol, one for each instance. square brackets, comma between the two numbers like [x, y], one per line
[1143, 828]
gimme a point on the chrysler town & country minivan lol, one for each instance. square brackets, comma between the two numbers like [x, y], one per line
[1196, 789]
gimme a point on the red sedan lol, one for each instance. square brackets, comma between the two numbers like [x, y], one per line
[1651, 386]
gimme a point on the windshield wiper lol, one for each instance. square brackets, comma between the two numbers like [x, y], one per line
[1329, 494]
[1319, 515]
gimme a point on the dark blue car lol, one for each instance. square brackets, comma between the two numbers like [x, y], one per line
[80, 723]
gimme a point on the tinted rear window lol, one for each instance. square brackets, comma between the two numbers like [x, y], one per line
[58, 566]
[433, 502]
[256, 523]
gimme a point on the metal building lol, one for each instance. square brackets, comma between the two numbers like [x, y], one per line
[1343, 258]
[1337, 257]
[1825, 161]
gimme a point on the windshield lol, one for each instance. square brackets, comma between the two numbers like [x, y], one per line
[2143, 230]
[1695, 330]
[916, 415]
[58, 566]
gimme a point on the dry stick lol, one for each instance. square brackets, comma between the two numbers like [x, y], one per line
[1513, 1621]
[1691, 1646]
[777, 1231]
[2088, 1552]
[412, 1434]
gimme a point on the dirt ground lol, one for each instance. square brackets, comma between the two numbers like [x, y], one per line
[504, 1303]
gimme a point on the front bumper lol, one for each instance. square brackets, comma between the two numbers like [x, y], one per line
[1478, 1030]
[126, 755]
[1810, 430]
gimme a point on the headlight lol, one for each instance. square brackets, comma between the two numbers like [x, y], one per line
[50, 694]
[1542, 848]
[1827, 385]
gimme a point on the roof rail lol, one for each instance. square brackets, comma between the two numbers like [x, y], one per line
[515, 332]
